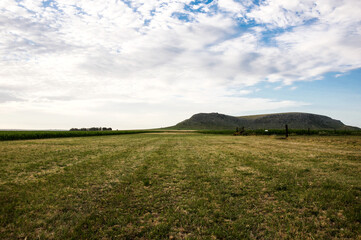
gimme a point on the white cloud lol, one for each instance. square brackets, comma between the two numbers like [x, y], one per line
[78, 53]
[236, 8]
[123, 115]
[245, 92]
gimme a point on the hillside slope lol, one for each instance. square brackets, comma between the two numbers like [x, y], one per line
[265, 121]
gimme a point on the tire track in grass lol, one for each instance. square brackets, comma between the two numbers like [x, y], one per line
[175, 192]
[299, 189]
[128, 200]
[206, 203]
[63, 197]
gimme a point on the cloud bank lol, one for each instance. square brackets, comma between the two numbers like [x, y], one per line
[161, 60]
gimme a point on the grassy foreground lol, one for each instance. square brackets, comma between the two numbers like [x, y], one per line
[181, 186]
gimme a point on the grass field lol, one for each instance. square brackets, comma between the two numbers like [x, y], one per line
[23, 135]
[181, 186]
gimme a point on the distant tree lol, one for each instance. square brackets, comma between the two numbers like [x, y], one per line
[92, 129]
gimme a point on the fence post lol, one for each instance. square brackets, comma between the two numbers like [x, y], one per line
[286, 131]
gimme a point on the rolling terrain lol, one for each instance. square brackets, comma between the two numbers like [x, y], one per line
[265, 121]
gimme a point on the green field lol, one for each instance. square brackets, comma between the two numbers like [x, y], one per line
[181, 186]
[22, 135]
[25, 135]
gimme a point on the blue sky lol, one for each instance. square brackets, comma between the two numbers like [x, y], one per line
[148, 64]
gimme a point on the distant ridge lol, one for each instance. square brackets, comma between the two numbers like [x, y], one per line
[295, 120]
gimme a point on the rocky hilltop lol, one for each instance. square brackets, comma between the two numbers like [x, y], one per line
[294, 120]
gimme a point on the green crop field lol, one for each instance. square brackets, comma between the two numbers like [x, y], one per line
[22, 135]
[181, 186]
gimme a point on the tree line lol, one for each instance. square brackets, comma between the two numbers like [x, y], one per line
[92, 129]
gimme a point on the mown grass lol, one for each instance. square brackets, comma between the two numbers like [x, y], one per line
[181, 186]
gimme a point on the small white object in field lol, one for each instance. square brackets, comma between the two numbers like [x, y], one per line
[266, 130]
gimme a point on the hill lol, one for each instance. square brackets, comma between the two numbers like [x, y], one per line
[265, 121]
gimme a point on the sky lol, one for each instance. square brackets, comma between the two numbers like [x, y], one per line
[149, 64]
